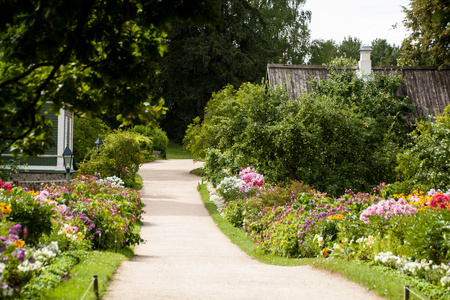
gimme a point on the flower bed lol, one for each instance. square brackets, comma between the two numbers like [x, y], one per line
[408, 233]
[42, 235]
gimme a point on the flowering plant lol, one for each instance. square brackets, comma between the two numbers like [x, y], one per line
[12, 254]
[440, 201]
[437, 274]
[251, 179]
[5, 186]
[230, 188]
[388, 209]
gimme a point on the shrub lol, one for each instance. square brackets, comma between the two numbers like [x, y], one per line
[425, 162]
[344, 135]
[85, 133]
[157, 135]
[121, 156]
[34, 213]
[146, 145]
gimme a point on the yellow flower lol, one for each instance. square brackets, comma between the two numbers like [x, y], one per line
[19, 243]
[325, 252]
[398, 196]
[33, 193]
[339, 217]
[6, 209]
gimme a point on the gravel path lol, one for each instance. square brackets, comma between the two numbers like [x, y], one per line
[187, 257]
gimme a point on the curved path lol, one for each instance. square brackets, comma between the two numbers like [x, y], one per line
[187, 257]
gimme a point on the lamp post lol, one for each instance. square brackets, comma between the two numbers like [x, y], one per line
[99, 144]
[67, 156]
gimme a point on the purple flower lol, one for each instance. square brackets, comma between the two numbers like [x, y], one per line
[15, 230]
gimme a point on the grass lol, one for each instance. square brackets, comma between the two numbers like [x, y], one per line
[386, 284]
[101, 263]
[175, 151]
[137, 182]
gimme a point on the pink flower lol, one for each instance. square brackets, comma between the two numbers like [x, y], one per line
[402, 201]
[440, 201]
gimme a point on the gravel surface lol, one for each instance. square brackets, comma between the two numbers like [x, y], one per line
[186, 256]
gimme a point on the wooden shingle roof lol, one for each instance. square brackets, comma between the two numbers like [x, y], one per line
[427, 87]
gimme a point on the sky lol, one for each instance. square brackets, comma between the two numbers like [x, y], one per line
[364, 19]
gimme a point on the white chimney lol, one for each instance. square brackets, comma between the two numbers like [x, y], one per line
[365, 64]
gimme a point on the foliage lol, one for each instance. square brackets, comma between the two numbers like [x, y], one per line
[157, 135]
[198, 171]
[322, 52]
[85, 133]
[384, 54]
[52, 275]
[219, 165]
[122, 155]
[9, 168]
[345, 134]
[349, 48]
[34, 213]
[93, 57]
[429, 40]
[57, 226]
[202, 60]
[425, 161]
[379, 279]
[408, 232]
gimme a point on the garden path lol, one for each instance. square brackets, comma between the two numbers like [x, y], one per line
[187, 257]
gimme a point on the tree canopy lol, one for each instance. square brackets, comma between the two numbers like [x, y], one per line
[429, 41]
[90, 56]
[202, 60]
[384, 54]
[323, 52]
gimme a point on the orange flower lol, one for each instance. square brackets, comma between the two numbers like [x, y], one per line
[325, 252]
[19, 243]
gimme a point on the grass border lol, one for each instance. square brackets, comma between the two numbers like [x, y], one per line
[385, 284]
[104, 264]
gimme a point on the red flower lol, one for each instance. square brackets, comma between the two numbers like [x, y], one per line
[440, 201]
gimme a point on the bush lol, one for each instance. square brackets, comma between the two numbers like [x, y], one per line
[425, 162]
[33, 213]
[344, 135]
[146, 145]
[121, 156]
[157, 135]
[85, 133]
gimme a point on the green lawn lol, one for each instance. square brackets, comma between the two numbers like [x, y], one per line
[100, 263]
[175, 151]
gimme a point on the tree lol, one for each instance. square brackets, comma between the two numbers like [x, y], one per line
[349, 48]
[202, 60]
[93, 57]
[429, 41]
[384, 54]
[322, 52]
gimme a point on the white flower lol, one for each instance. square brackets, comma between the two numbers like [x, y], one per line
[2, 267]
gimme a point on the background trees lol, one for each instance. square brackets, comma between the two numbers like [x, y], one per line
[429, 41]
[323, 52]
[202, 60]
[384, 54]
[93, 57]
